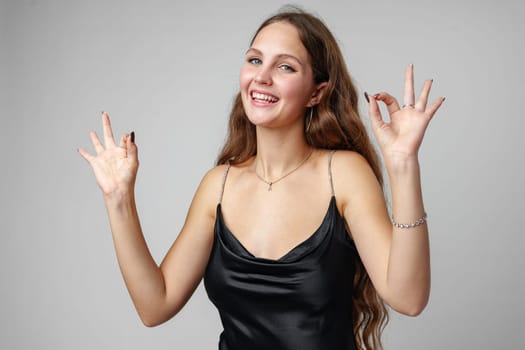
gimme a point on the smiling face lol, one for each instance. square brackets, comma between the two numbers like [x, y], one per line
[276, 78]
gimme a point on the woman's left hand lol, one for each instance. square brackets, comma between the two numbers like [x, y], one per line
[403, 135]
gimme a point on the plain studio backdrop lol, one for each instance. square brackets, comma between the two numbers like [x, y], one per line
[169, 70]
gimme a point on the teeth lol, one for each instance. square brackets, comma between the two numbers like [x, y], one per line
[263, 97]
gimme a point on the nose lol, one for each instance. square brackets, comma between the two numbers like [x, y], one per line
[263, 76]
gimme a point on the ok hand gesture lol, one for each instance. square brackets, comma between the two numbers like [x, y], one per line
[115, 167]
[403, 135]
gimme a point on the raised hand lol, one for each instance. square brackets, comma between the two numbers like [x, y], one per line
[403, 135]
[115, 167]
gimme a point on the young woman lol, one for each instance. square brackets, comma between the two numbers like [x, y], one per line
[290, 230]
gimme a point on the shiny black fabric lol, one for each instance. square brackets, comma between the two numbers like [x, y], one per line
[302, 301]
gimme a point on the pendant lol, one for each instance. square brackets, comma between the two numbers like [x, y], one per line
[270, 186]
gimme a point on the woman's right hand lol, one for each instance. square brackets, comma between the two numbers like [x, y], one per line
[115, 166]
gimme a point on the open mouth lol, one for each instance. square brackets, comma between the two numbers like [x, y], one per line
[263, 98]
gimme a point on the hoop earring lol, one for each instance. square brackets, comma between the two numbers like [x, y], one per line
[309, 119]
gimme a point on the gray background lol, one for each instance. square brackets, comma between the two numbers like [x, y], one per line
[169, 70]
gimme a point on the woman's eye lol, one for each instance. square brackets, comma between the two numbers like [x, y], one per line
[287, 68]
[254, 60]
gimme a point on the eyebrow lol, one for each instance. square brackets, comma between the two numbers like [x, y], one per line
[282, 55]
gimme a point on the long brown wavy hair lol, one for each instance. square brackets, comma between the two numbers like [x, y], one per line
[335, 124]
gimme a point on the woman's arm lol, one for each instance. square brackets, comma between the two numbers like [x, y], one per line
[397, 259]
[158, 292]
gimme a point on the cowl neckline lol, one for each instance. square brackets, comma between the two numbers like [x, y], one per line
[234, 246]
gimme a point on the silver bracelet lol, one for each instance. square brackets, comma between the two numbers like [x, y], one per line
[411, 225]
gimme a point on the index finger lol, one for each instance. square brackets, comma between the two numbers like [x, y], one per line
[389, 100]
[106, 128]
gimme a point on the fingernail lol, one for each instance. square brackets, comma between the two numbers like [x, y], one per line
[102, 112]
[133, 136]
[376, 95]
[443, 99]
[367, 98]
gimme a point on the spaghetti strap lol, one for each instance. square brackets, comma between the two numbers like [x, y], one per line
[330, 172]
[228, 166]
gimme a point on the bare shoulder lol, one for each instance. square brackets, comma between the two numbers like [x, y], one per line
[353, 178]
[214, 177]
[349, 167]
[209, 189]
[348, 158]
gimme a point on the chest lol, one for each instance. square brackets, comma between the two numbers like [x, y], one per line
[271, 226]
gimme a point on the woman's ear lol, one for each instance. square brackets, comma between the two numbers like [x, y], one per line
[317, 94]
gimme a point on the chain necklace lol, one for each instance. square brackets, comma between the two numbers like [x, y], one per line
[270, 183]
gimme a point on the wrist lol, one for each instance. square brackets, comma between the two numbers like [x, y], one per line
[119, 197]
[400, 163]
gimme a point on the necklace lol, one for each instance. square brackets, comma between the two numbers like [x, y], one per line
[270, 183]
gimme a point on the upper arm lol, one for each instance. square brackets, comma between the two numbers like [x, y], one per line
[364, 209]
[186, 260]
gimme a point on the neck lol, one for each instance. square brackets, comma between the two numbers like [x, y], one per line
[279, 152]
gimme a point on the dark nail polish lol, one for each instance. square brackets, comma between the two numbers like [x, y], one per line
[367, 98]
[133, 136]
[443, 99]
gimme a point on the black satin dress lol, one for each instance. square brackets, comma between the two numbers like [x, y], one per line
[302, 301]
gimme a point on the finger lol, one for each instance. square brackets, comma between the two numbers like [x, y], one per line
[422, 101]
[85, 154]
[123, 142]
[374, 112]
[132, 147]
[434, 107]
[389, 100]
[108, 133]
[96, 142]
[409, 97]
